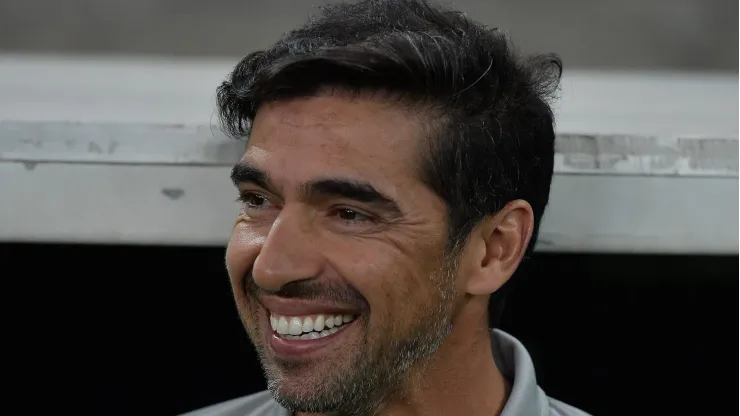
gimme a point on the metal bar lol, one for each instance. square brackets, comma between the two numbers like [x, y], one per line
[131, 144]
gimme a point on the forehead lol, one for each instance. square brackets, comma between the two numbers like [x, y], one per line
[332, 135]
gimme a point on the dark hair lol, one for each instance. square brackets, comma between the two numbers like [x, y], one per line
[492, 139]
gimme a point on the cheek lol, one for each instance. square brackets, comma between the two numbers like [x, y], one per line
[393, 282]
[241, 252]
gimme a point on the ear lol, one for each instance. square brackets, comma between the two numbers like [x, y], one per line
[496, 248]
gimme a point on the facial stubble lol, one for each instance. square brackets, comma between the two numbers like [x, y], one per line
[374, 372]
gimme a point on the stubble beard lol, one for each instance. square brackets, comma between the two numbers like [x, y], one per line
[377, 373]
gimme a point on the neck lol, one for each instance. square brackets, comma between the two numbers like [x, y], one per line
[461, 378]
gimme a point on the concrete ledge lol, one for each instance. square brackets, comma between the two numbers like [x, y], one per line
[122, 150]
[192, 205]
[48, 142]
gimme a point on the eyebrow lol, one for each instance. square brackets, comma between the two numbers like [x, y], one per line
[351, 189]
[245, 173]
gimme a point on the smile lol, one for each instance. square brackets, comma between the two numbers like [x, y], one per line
[308, 327]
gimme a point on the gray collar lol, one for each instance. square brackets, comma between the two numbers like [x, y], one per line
[514, 362]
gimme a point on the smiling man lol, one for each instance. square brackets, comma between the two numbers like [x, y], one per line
[398, 163]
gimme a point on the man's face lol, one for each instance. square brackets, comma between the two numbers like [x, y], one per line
[337, 259]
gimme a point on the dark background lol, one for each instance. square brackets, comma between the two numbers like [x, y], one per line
[113, 330]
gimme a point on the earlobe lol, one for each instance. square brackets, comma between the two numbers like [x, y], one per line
[498, 246]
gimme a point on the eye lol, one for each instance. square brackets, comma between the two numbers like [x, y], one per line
[253, 201]
[351, 216]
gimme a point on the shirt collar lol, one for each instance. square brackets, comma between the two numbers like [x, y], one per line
[514, 362]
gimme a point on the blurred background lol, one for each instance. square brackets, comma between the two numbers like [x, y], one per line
[676, 34]
[150, 329]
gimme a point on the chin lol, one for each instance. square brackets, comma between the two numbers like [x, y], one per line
[304, 394]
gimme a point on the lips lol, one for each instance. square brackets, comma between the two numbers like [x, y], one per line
[299, 307]
[299, 328]
[309, 345]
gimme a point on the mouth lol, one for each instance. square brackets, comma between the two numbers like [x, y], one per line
[297, 336]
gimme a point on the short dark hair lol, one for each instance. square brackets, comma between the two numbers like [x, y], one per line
[493, 139]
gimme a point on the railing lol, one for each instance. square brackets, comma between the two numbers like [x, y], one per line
[126, 151]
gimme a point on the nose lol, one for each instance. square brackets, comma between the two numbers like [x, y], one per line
[289, 253]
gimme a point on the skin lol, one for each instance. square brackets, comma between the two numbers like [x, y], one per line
[390, 263]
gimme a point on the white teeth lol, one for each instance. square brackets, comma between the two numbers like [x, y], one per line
[307, 325]
[296, 326]
[282, 326]
[310, 335]
[318, 325]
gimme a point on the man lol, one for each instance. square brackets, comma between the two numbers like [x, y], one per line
[398, 163]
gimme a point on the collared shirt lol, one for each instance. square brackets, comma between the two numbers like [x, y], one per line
[513, 360]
